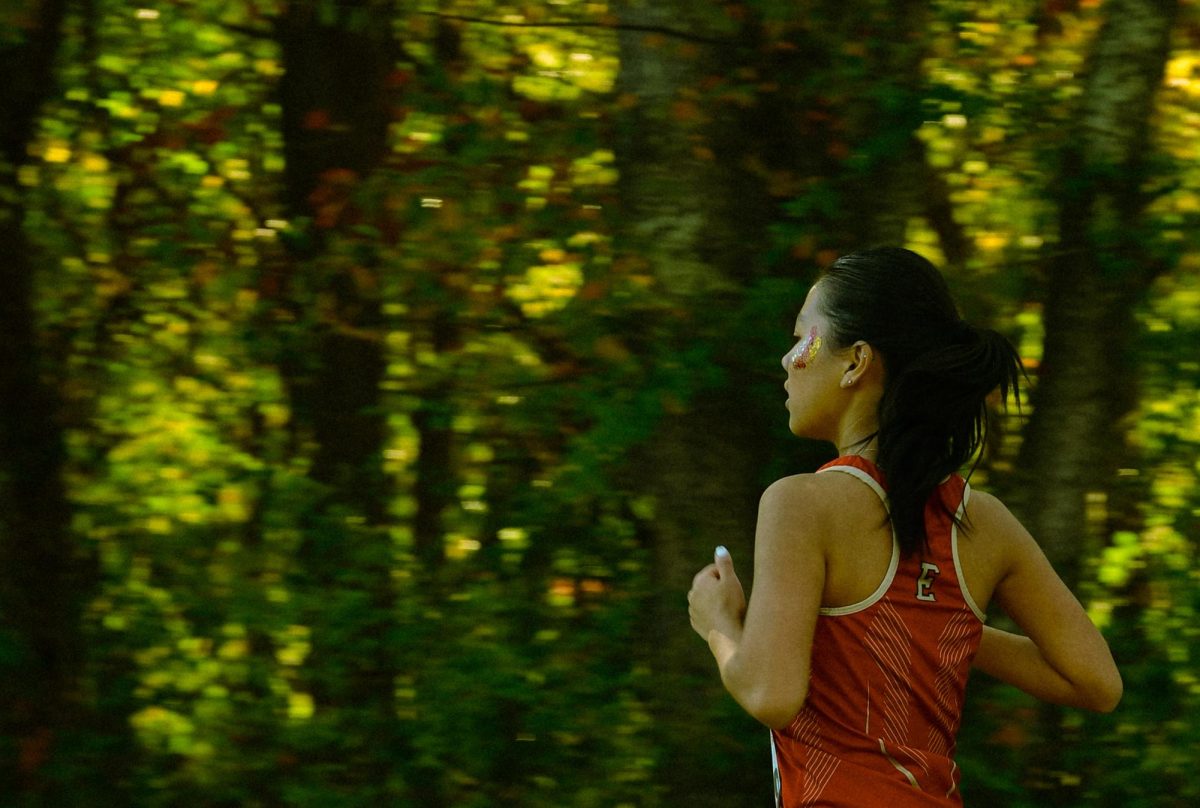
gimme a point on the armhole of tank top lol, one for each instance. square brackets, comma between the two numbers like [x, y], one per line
[962, 582]
[893, 565]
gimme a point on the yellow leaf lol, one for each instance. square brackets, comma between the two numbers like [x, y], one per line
[300, 705]
[234, 649]
[58, 153]
[232, 503]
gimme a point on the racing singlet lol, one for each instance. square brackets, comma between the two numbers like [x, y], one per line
[888, 676]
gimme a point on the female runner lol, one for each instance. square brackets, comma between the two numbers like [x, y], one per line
[872, 576]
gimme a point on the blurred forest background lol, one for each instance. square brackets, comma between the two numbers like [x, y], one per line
[376, 374]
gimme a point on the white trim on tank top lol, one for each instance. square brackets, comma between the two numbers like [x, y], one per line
[962, 581]
[893, 565]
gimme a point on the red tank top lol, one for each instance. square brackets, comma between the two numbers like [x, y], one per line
[888, 674]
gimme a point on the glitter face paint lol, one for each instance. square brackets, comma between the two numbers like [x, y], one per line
[805, 352]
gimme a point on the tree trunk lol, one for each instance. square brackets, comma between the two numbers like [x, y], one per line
[434, 487]
[889, 184]
[663, 150]
[673, 196]
[335, 126]
[693, 217]
[1087, 383]
[335, 123]
[44, 584]
[46, 581]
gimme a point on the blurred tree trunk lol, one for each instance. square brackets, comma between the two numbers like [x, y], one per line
[45, 581]
[1101, 268]
[673, 200]
[700, 466]
[435, 486]
[435, 483]
[335, 122]
[335, 117]
[889, 181]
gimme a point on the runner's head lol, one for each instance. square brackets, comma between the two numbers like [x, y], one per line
[938, 370]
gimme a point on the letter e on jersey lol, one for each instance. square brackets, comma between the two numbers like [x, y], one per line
[925, 582]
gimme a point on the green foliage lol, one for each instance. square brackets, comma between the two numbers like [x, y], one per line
[259, 638]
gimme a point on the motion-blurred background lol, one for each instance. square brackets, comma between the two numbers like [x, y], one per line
[375, 375]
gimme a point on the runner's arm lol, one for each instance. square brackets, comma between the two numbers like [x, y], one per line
[1063, 658]
[766, 667]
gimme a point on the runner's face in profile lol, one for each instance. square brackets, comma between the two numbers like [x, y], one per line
[811, 381]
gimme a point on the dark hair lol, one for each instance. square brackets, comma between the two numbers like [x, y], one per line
[938, 373]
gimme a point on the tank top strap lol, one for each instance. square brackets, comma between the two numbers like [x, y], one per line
[950, 497]
[863, 469]
[866, 472]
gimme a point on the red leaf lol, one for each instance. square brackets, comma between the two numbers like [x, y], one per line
[316, 119]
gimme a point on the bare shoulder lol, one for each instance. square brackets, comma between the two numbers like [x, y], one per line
[988, 514]
[790, 544]
[994, 529]
[813, 494]
[813, 503]
[795, 484]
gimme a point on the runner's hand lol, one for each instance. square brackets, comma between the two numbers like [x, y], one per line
[716, 600]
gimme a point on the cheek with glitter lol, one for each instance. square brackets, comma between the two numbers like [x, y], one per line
[806, 351]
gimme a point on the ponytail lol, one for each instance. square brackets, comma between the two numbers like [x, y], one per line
[933, 417]
[938, 373]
